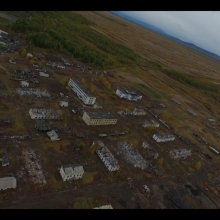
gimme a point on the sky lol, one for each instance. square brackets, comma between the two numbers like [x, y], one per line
[201, 28]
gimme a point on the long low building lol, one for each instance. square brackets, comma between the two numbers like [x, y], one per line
[163, 137]
[45, 114]
[8, 183]
[107, 157]
[87, 97]
[130, 95]
[99, 118]
[182, 153]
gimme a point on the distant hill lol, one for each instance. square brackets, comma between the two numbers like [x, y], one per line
[161, 32]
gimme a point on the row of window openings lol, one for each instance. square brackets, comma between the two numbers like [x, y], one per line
[82, 93]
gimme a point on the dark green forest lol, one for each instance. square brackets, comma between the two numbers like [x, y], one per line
[72, 32]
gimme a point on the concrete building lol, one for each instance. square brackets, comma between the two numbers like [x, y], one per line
[139, 111]
[29, 55]
[2, 43]
[24, 84]
[148, 123]
[107, 157]
[69, 172]
[8, 183]
[64, 104]
[145, 145]
[163, 137]
[53, 135]
[43, 74]
[83, 93]
[99, 118]
[45, 114]
[3, 32]
[4, 158]
[176, 101]
[104, 207]
[182, 153]
[130, 95]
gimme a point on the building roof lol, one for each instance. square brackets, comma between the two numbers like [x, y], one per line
[104, 207]
[7, 182]
[53, 135]
[132, 93]
[85, 90]
[101, 115]
[105, 152]
[70, 169]
[164, 135]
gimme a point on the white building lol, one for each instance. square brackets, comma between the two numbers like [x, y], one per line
[83, 93]
[29, 55]
[182, 153]
[24, 84]
[12, 61]
[69, 172]
[130, 95]
[53, 135]
[139, 111]
[45, 114]
[8, 183]
[43, 74]
[148, 123]
[3, 32]
[2, 43]
[107, 157]
[104, 207]
[163, 137]
[64, 104]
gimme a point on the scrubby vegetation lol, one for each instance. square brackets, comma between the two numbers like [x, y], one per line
[70, 31]
[182, 77]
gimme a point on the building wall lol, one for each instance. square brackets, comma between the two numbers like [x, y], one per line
[83, 96]
[38, 116]
[102, 121]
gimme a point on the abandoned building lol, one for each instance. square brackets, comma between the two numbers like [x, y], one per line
[8, 183]
[53, 135]
[4, 158]
[12, 61]
[24, 83]
[99, 118]
[32, 92]
[6, 121]
[210, 123]
[104, 207]
[132, 155]
[3, 32]
[163, 137]
[69, 172]
[43, 74]
[149, 123]
[182, 153]
[17, 71]
[213, 150]
[107, 158]
[191, 111]
[176, 101]
[130, 95]
[29, 55]
[139, 111]
[83, 93]
[64, 104]
[35, 65]
[145, 145]
[45, 114]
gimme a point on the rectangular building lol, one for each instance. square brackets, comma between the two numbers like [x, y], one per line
[182, 153]
[45, 114]
[107, 157]
[163, 137]
[130, 95]
[24, 84]
[87, 97]
[99, 118]
[8, 183]
[69, 172]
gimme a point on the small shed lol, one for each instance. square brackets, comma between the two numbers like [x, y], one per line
[64, 104]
